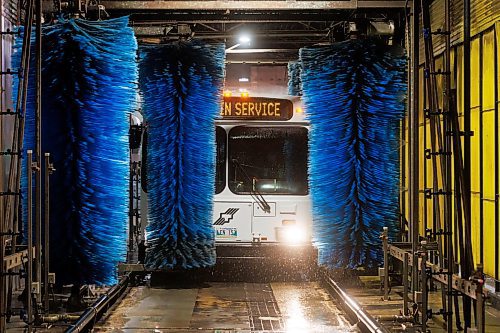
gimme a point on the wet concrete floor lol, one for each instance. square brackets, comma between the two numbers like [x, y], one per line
[228, 307]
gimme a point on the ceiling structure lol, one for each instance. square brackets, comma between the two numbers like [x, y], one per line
[278, 28]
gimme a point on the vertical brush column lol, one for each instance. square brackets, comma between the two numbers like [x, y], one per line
[181, 85]
[85, 129]
[354, 142]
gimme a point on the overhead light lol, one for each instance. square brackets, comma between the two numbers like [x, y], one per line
[244, 79]
[244, 39]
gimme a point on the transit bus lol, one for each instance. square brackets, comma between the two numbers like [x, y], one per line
[261, 192]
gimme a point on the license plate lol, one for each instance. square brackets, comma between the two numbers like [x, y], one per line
[226, 232]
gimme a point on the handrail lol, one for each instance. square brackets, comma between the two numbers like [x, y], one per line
[365, 322]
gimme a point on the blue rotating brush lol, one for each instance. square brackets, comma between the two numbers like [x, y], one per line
[354, 96]
[85, 110]
[181, 85]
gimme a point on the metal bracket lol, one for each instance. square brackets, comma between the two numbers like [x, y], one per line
[429, 193]
[12, 274]
[441, 312]
[10, 233]
[429, 153]
[10, 33]
[35, 166]
[11, 72]
[9, 112]
[428, 73]
[427, 32]
[9, 152]
[460, 133]
[9, 192]
[428, 113]
[441, 232]
[441, 32]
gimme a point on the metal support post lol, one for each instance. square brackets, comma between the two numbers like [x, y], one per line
[4, 224]
[467, 259]
[38, 146]
[406, 310]
[448, 220]
[29, 268]
[385, 240]
[480, 317]
[131, 226]
[424, 281]
[46, 249]
[414, 145]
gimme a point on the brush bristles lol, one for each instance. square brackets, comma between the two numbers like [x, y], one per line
[294, 82]
[89, 89]
[354, 97]
[181, 86]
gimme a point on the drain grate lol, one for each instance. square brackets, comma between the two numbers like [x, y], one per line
[263, 309]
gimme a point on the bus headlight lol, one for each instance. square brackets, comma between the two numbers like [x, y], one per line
[293, 234]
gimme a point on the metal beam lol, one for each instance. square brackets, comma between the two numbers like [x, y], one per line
[249, 5]
[248, 51]
[15, 260]
[465, 286]
[156, 31]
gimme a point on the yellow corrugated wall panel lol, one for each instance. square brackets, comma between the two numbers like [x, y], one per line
[489, 235]
[489, 70]
[460, 81]
[475, 206]
[488, 106]
[475, 183]
[497, 31]
[497, 103]
[475, 114]
[475, 147]
[484, 14]
[489, 200]
[497, 49]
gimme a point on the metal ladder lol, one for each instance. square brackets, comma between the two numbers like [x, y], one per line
[16, 261]
[10, 226]
[445, 150]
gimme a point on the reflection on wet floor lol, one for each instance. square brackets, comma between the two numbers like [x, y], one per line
[306, 307]
[228, 307]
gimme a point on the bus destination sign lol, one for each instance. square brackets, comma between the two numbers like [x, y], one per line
[256, 108]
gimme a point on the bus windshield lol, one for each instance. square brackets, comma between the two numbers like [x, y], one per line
[270, 160]
[220, 160]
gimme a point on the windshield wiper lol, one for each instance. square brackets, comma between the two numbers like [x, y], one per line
[256, 195]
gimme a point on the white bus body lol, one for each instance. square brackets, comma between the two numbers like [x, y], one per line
[277, 208]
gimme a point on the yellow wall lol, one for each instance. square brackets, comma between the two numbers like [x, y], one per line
[485, 89]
